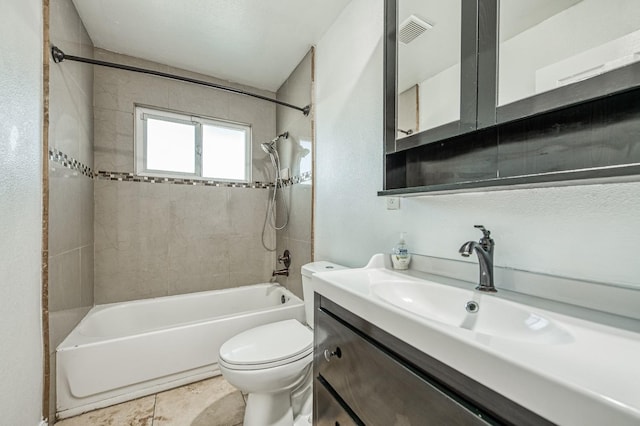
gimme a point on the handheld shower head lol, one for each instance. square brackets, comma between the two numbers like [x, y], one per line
[270, 147]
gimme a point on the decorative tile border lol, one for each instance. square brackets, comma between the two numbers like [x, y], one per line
[73, 164]
[130, 177]
[298, 179]
[70, 163]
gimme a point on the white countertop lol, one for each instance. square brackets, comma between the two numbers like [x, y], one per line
[591, 379]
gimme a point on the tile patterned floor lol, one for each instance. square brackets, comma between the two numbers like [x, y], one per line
[212, 402]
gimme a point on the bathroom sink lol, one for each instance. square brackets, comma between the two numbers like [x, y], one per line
[517, 345]
[480, 313]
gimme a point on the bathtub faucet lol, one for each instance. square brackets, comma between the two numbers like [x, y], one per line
[283, 271]
[286, 260]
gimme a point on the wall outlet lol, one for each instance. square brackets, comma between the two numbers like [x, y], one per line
[393, 203]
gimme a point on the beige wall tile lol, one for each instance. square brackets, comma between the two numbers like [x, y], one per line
[137, 271]
[247, 208]
[65, 281]
[247, 255]
[85, 193]
[198, 264]
[113, 142]
[61, 324]
[64, 209]
[200, 212]
[64, 117]
[192, 98]
[86, 275]
[105, 214]
[300, 212]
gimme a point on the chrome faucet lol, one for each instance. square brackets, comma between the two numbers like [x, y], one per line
[484, 250]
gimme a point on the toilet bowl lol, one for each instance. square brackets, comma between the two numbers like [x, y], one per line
[272, 364]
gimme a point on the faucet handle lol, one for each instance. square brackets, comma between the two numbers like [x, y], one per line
[485, 231]
[486, 242]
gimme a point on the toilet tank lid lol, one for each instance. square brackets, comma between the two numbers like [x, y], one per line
[320, 266]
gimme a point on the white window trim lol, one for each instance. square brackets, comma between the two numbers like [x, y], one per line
[140, 142]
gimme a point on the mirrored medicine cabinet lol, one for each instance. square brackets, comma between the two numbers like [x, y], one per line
[489, 93]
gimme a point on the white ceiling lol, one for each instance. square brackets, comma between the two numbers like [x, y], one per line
[252, 42]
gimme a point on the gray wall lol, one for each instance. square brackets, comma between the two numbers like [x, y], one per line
[296, 236]
[162, 239]
[20, 212]
[70, 191]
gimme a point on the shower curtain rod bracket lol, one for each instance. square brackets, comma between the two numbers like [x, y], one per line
[59, 56]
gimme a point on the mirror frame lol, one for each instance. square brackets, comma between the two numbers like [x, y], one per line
[434, 160]
[476, 57]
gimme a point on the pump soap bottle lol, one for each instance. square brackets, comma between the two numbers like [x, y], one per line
[400, 256]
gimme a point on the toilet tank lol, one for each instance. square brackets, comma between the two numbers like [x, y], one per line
[307, 290]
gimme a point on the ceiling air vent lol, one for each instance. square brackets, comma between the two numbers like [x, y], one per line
[412, 28]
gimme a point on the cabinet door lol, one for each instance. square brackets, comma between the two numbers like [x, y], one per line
[327, 411]
[378, 388]
[431, 67]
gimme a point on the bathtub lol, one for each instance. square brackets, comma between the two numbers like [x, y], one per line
[122, 351]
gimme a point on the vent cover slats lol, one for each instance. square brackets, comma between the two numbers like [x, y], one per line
[412, 28]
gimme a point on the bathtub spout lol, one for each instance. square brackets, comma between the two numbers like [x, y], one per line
[283, 271]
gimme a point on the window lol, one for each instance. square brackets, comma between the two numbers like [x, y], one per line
[187, 146]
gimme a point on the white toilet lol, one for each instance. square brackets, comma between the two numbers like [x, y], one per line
[272, 364]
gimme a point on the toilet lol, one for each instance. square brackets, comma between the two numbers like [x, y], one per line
[272, 364]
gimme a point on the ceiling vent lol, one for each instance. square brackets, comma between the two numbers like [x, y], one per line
[412, 28]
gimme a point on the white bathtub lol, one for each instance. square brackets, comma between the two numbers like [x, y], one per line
[122, 351]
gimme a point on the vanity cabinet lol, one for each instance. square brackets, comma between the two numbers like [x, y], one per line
[364, 376]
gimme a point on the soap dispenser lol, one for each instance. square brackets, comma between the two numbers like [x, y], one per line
[400, 256]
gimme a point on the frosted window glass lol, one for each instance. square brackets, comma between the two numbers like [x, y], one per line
[223, 153]
[170, 146]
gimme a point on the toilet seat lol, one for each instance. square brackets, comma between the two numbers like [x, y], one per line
[267, 346]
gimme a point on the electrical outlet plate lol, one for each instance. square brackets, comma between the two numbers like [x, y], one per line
[393, 203]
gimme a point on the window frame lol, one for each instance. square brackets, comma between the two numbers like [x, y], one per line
[142, 113]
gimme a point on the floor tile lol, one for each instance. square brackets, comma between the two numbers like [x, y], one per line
[138, 412]
[212, 402]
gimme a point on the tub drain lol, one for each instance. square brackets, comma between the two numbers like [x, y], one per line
[283, 299]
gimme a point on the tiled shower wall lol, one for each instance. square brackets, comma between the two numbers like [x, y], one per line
[158, 239]
[70, 191]
[296, 236]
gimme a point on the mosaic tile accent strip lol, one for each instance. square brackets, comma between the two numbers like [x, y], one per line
[297, 179]
[75, 165]
[70, 163]
[131, 177]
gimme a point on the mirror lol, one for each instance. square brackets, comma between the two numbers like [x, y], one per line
[566, 42]
[428, 64]
[547, 95]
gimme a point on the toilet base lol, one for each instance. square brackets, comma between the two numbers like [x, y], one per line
[272, 409]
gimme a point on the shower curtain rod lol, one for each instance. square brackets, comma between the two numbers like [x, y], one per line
[59, 56]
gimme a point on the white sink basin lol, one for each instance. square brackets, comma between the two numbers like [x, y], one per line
[491, 316]
[569, 370]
